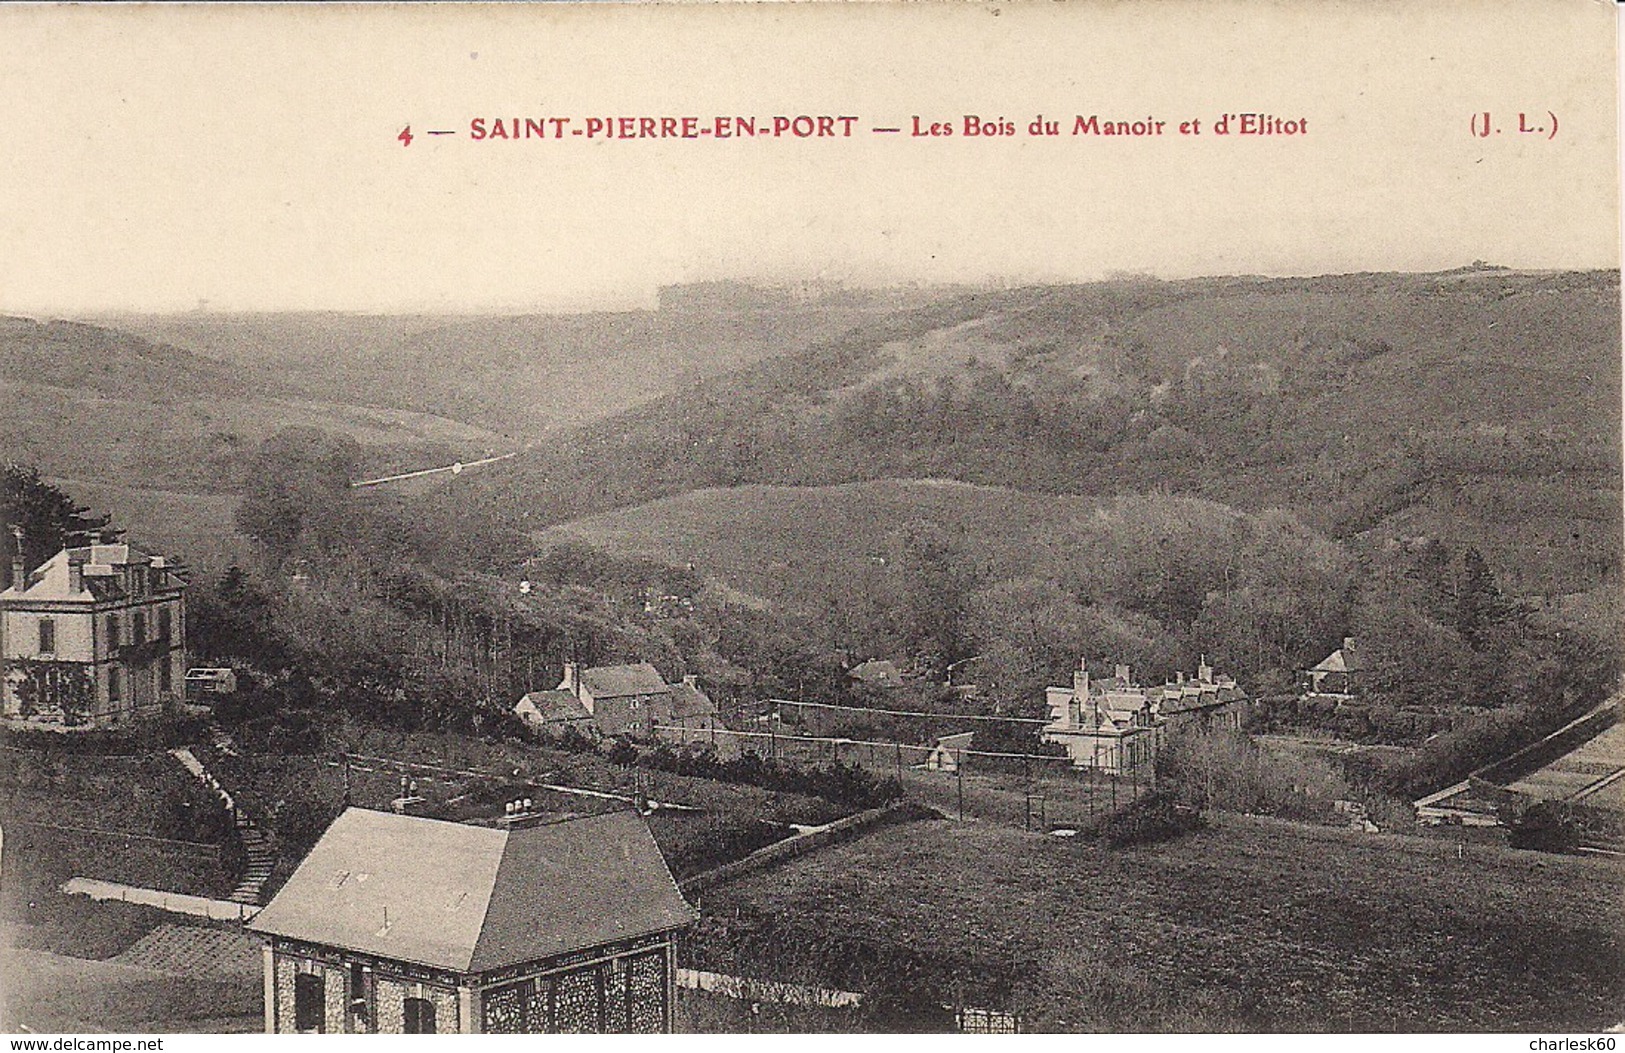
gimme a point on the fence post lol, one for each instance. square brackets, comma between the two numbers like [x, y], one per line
[959, 770]
[899, 762]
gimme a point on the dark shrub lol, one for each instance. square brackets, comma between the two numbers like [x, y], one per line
[1154, 817]
[1545, 827]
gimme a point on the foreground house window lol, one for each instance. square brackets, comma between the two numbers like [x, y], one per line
[47, 636]
[419, 1016]
[308, 1005]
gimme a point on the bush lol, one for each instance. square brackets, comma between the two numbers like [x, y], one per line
[1157, 816]
[1549, 826]
[1226, 769]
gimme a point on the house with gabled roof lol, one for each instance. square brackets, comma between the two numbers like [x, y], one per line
[551, 712]
[402, 924]
[621, 699]
[92, 638]
[1337, 674]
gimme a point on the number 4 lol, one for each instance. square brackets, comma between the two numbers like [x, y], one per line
[406, 136]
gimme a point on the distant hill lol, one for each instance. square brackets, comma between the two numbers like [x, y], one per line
[159, 437]
[521, 374]
[1480, 405]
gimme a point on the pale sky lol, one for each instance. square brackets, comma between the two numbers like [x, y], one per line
[154, 158]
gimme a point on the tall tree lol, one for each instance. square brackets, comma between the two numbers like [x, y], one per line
[48, 518]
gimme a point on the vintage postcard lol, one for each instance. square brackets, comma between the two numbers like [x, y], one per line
[812, 517]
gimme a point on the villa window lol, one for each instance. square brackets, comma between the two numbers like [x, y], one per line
[112, 632]
[163, 623]
[47, 636]
[114, 686]
[138, 635]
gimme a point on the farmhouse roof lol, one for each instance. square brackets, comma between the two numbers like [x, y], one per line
[471, 898]
[552, 707]
[613, 681]
[689, 701]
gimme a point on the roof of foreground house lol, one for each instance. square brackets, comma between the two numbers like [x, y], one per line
[473, 898]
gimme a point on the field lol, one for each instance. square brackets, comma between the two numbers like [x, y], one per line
[1250, 925]
[788, 544]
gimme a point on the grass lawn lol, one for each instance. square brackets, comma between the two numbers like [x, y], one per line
[1253, 924]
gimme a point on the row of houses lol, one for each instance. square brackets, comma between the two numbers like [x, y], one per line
[1116, 725]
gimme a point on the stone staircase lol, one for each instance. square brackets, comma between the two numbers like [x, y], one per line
[258, 850]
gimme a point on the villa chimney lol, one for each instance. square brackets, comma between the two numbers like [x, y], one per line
[1204, 672]
[692, 681]
[1179, 677]
[19, 569]
[572, 679]
[76, 575]
[1122, 674]
[1080, 679]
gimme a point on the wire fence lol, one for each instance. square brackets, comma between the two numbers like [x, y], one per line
[1034, 791]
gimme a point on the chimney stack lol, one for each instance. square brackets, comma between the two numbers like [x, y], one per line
[1123, 674]
[1204, 672]
[1080, 690]
[76, 575]
[19, 569]
[572, 679]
